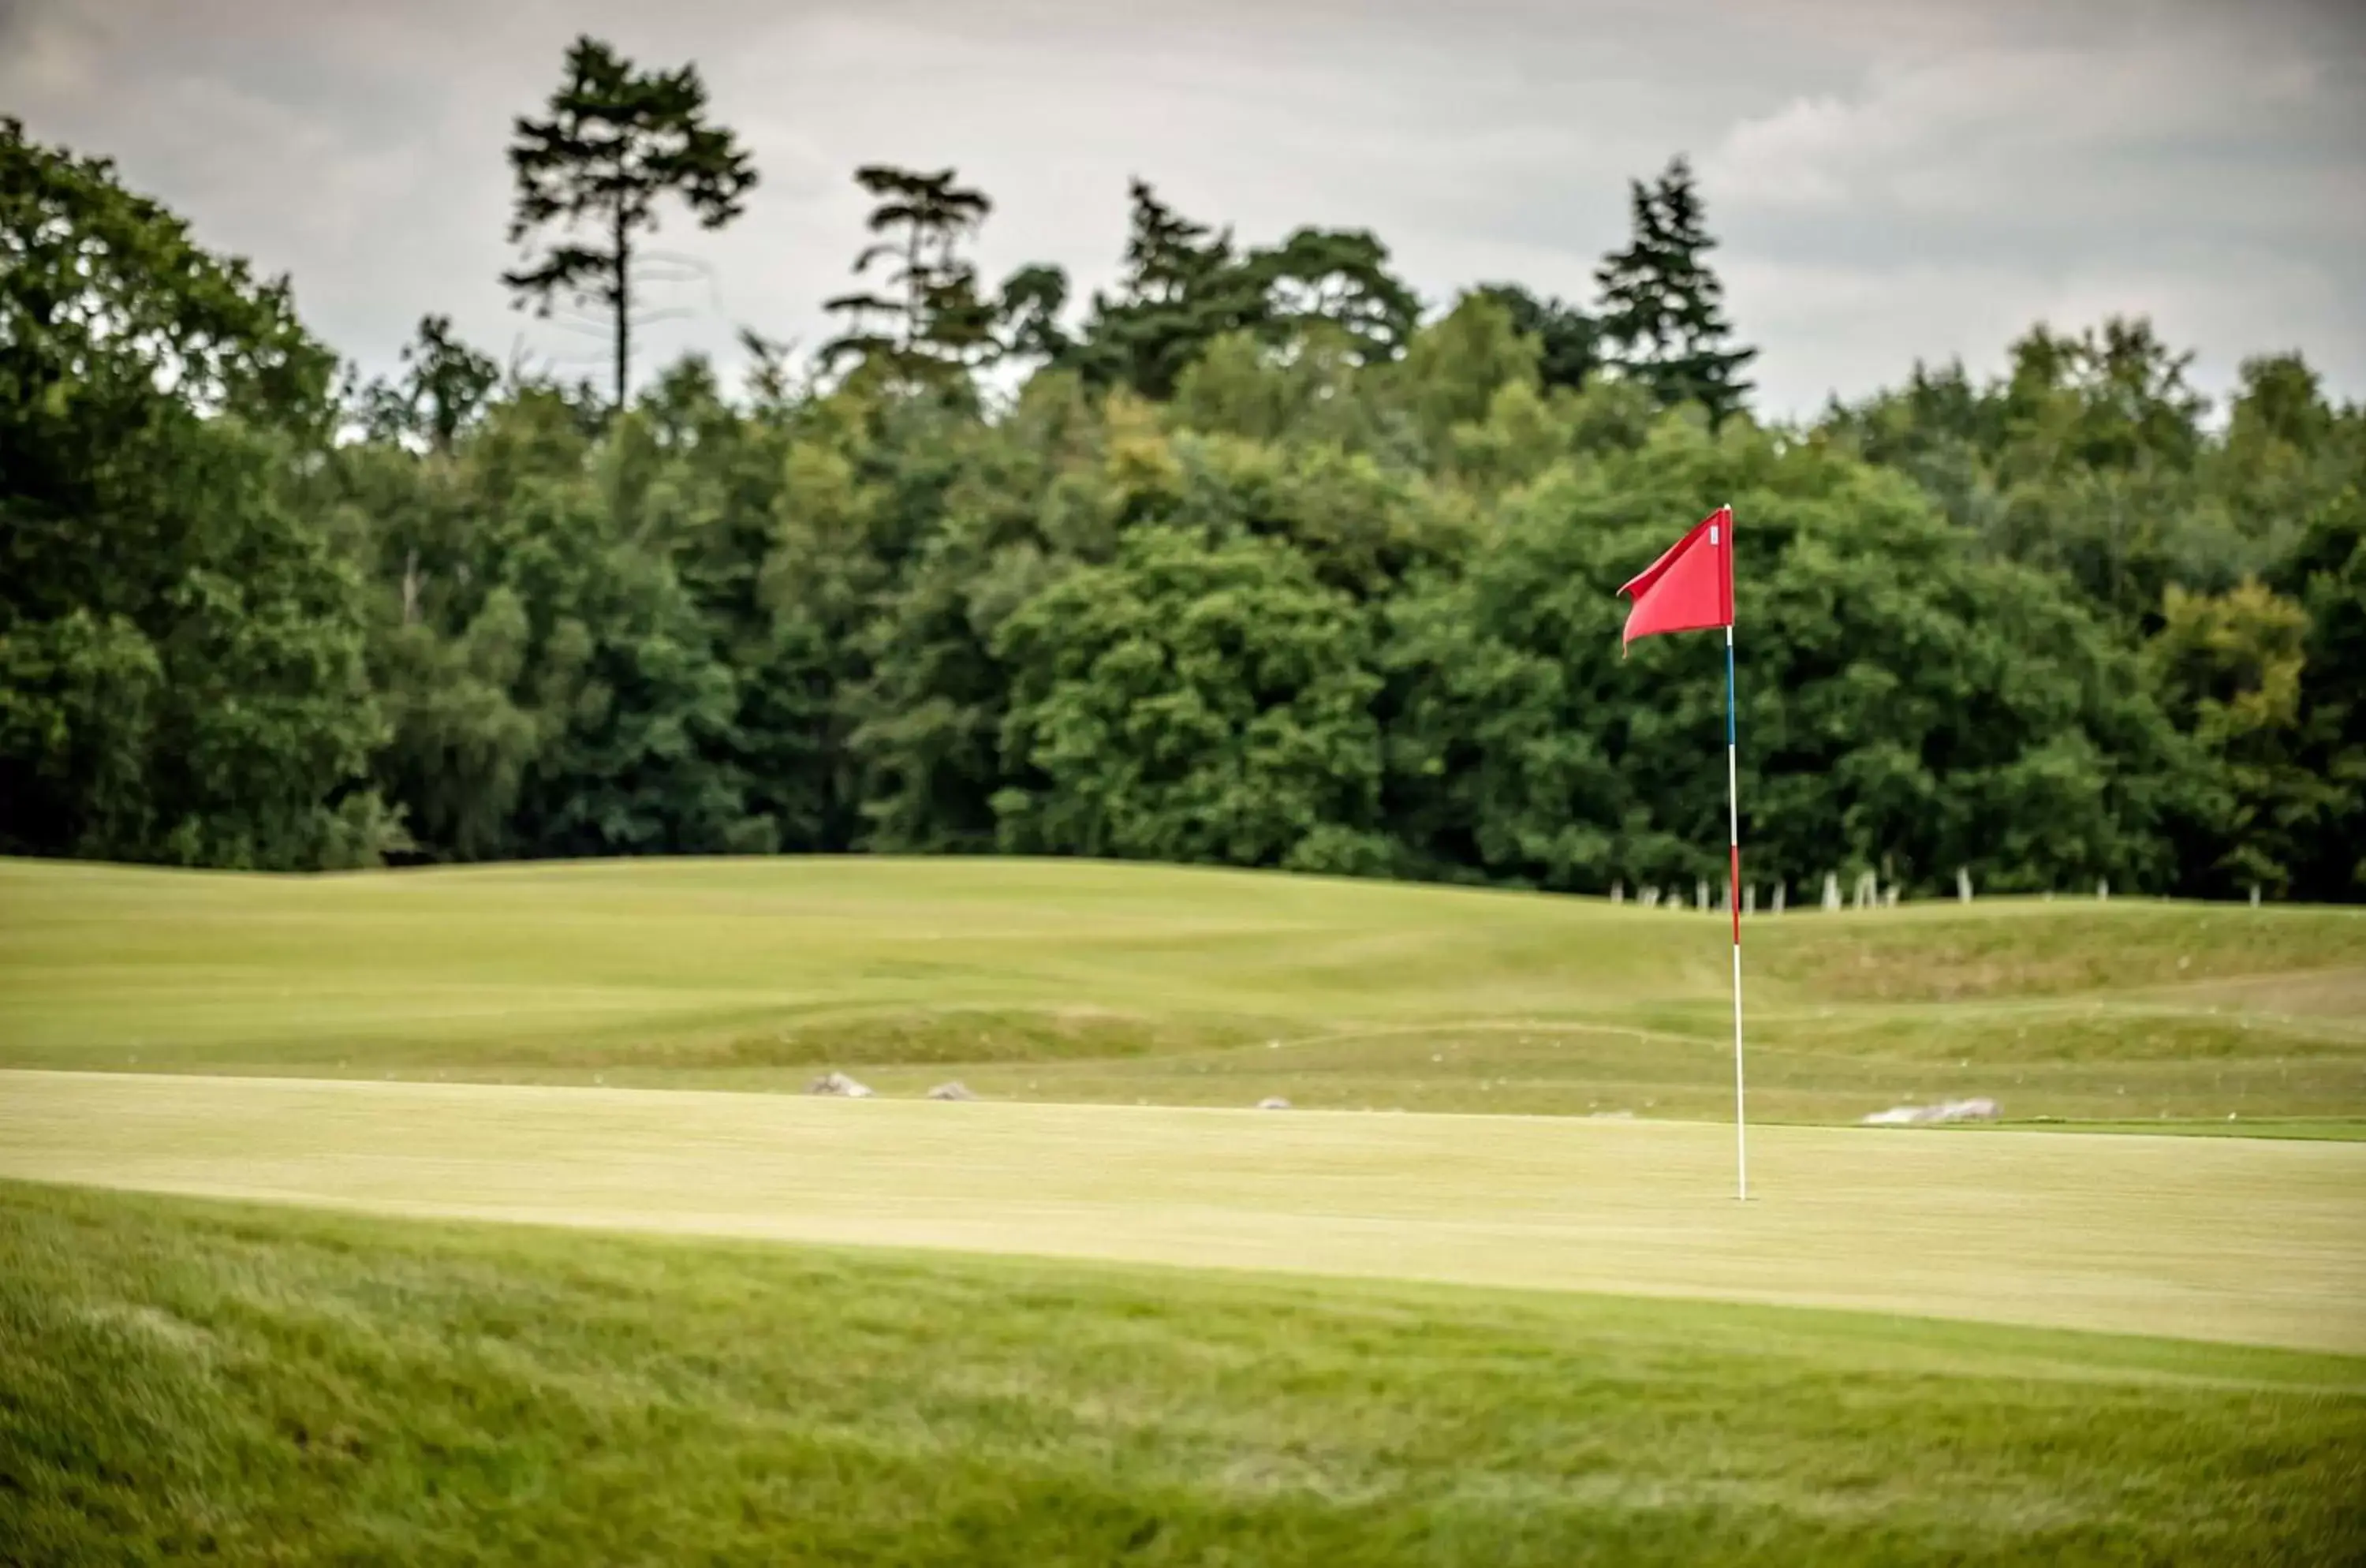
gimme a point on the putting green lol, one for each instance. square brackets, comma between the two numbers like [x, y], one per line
[2229, 1239]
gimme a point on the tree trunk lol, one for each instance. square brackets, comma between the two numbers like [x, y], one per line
[912, 290]
[411, 588]
[623, 310]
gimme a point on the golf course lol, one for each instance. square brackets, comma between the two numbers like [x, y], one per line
[1078, 982]
[1072, 786]
[476, 1214]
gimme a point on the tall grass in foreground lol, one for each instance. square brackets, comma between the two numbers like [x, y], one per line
[182, 1379]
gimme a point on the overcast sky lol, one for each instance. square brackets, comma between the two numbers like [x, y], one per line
[1891, 179]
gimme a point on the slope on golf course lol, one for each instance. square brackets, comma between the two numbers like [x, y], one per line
[1080, 981]
[185, 1380]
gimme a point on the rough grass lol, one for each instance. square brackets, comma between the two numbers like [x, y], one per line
[2226, 1238]
[2056, 948]
[182, 1380]
[1089, 982]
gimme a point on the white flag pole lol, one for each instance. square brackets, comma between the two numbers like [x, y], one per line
[1733, 900]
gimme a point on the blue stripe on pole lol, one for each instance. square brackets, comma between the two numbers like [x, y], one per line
[1729, 690]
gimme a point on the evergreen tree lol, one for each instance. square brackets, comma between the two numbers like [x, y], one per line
[1168, 255]
[931, 320]
[1662, 312]
[617, 139]
[1184, 287]
[1028, 306]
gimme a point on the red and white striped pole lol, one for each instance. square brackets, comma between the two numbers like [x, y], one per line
[1733, 899]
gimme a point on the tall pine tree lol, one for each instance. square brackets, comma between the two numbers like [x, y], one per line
[616, 141]
[1030, 307]
[1183, 286]
[1663, 313]
[932, 319]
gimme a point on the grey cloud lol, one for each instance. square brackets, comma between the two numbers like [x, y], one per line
[1890, 181]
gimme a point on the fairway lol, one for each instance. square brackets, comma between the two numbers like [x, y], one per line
[2233, 1239]
[1081, 981]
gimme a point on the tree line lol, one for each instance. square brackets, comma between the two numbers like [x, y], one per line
[1249, 558]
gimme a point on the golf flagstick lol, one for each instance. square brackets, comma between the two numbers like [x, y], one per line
[1733, 902]
[1690, 589]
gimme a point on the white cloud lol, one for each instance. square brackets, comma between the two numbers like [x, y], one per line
[2212, 176]
[1998, 133]
[1890, 180]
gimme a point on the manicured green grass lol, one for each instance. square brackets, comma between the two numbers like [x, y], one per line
[2255, 1240]
[182, 1380]
[1087, 982]
[2343, 1131]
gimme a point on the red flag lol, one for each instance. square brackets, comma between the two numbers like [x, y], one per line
[1689, 589]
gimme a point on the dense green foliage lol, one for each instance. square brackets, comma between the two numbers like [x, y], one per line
[1248, 560]
[182, 1379]
[183, 644]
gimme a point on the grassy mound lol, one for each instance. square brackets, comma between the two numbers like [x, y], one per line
[1079, 981]
[182, 1379]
